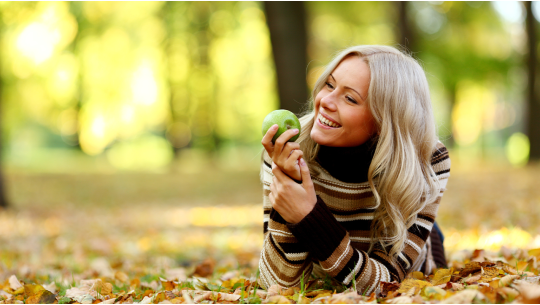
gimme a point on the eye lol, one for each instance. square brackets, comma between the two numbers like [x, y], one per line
[350, 99]
[329, 85]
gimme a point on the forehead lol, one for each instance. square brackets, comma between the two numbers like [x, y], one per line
[353, 69]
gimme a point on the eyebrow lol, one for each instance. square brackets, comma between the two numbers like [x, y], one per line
[349, 88]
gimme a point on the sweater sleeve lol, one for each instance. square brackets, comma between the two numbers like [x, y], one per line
[328, 241]
[284, 261]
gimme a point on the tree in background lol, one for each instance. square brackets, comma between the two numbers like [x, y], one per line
[287, 24]
[533, 103]
[406, 36]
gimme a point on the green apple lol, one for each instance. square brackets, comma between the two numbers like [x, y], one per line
[285, 119]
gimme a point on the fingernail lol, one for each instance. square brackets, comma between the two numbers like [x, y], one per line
[302, 162]
[295, 131]
[275, 126]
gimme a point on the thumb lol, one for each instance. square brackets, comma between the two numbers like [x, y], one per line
[304, 169]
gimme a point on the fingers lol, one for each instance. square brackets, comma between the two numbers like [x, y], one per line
[283, 139]
[271, 195]
[292, 162]
[267, 139]
[306, 178]
[281, 158]
[278, 174]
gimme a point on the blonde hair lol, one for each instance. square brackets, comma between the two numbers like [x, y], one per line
[400, 175]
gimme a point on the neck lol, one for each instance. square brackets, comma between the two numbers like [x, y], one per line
[348, 164]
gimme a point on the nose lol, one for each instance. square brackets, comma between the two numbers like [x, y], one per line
[329, 101]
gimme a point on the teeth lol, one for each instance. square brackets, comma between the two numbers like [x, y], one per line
[327, 122]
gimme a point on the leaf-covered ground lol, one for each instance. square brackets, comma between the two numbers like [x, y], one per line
[196, 239]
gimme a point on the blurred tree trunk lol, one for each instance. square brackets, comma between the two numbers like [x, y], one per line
[3, 197]
[533, 113]
[287, 24]
[406, 33]
[76, 9]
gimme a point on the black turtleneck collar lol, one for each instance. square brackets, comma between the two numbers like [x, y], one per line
[347, 164]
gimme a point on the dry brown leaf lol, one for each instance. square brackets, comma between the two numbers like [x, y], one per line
[168, 285]
[387, 287]
[187, 297]
[400, 300]
[507, 280]
[206, 268]
[290, 291]
[121, 276]
[51, 287]
[345, 298]
[227, 297]
[442, 276]
[529, 293]
[470, 268]
[14, 283]
[464, 297]
[274, 290]
[488, 274]
[407, 284]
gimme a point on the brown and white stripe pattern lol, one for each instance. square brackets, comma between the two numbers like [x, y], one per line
[335, 236]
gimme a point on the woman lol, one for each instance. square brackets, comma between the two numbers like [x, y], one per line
[356, 197]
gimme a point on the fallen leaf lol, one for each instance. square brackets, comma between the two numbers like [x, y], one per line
[400, 300]
[507, 280]
[168, 285]
[205, 269]
[470, 268]
[274, 290]
[14, 283]
[433, 293]
[488, 274]
[277, 299]
[387, 287]
[464, 297]
[121, 276]
[50, 287]
[442, 276]
[418, 275]
[36, 294]
[529, 293]
[407, 284]
[290, 291]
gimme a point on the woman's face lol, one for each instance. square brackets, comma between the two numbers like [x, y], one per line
[342, 105]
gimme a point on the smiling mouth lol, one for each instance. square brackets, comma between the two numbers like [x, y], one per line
[327, 122]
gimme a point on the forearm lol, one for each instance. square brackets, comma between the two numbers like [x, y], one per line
[284, 261]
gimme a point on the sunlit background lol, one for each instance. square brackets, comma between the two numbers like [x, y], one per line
[173, 94]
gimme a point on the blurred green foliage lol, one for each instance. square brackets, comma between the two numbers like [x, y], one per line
[146, 85]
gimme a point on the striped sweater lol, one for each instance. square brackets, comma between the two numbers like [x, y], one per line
[333, 239]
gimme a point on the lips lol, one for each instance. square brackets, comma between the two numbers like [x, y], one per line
[327, 122]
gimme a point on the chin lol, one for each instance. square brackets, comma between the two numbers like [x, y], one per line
[320, 139]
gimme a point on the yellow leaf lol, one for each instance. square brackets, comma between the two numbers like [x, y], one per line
[36, 294]
[418, 275]
[521, 266]
[434, 293]
[442, 276]
[495, 283]
[534, 252]
[410, 283]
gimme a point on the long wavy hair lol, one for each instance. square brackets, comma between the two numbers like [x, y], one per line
[400, 176]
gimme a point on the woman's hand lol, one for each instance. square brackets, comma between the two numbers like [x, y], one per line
[284, 154]
[291, 200]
